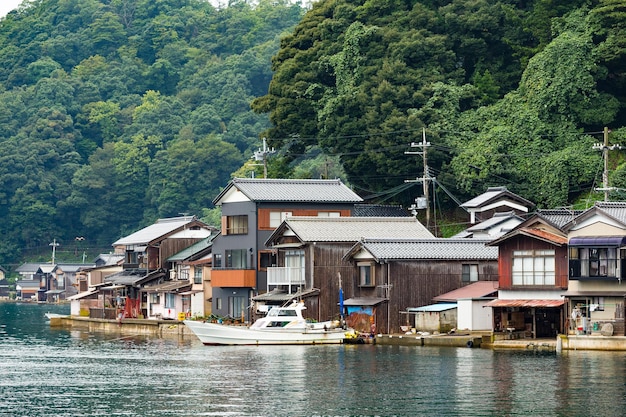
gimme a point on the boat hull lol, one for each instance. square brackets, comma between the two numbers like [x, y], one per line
[219, 334]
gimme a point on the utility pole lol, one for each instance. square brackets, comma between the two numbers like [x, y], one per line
[605, 148]
[54, 245]
[426, 178]
[262, 154]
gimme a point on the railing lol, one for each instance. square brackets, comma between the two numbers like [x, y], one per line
[597, 269]
[285, 275]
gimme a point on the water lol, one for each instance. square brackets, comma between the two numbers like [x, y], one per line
[49, 372]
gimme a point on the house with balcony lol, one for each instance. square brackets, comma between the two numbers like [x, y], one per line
[533, 276]
[145, 253]
[311, 265]
[597, 268]
[252, 208]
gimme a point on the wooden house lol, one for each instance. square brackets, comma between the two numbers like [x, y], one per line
[533, 275]
[252, 208]
[311, 259]
[409, 273]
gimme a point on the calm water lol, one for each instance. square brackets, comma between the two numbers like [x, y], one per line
[47, 372]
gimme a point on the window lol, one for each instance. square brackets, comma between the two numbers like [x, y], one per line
[366, 274]
[469, 273]
[593, 262]
[218, 303]
[266, 259]
[533, 267]
[236, 225]
[236, 306]
[155, 298]
[183, 273]
[328, 214]
[170, 300]
[217, 260]
[277, 217]
[197, 275]
[236, 258]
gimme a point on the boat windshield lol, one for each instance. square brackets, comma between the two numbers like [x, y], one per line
[281, 312]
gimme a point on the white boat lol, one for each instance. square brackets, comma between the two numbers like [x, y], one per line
[281, 326]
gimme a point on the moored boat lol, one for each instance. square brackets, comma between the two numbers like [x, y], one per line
[281, 326]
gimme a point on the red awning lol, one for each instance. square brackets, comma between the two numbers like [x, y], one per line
[525, 303]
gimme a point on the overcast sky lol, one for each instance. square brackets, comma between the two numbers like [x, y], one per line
[7, 5]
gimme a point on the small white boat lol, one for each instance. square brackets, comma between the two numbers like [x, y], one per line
[281, 326]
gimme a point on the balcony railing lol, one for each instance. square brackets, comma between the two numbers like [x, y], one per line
[594, 269]
[284, 275]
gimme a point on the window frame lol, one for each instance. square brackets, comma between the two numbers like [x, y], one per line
[469, 273]
[533, 268]
[236, 225]
[367, 275]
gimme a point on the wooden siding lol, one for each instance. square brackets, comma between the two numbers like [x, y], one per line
[233, 278]
[505, 261]
[264, 214]
[413, 283]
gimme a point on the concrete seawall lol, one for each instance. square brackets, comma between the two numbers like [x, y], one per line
[143, 327]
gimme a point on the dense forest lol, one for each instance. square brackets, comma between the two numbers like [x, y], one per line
[114, 113]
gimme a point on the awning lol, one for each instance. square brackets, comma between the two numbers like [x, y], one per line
[112, 287]
[55, 292]
[81, 295]
[598, 241]
[525, 303]
[433, 308]
[594, 294]
[167, 286]
[190, 292]
[363, 301]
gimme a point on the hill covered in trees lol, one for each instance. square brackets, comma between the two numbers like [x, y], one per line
[114, 113]
[511, 93]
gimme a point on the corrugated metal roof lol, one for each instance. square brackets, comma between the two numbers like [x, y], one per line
[478, 289]
[435, 248]
[363, 301]
[161, 228]
[497, 219]
[353, 229]
[167, 286]
[432, 308]
[292, 190]
[377, 210]
[525, 303]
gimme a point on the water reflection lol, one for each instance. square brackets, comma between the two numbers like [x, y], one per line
[75, 373]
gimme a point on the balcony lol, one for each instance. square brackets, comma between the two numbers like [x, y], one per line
[285, 276]
[597, 270]
[233, 278]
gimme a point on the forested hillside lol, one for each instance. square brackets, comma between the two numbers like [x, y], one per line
[511, 93]
[114, 113]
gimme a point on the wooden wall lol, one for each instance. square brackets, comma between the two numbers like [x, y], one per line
[505, 265]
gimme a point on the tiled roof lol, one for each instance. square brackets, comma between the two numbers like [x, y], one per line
[292, 190]
[353, 229]
[161, 228]
[558, 217]
[494, 221]
[494, 193]
[377, 210]
[435, 248]
[615, 209]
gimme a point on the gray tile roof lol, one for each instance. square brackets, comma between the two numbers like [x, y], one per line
[291, 190]
[614, 209]
[353, 229]
[161, 228]
[431, 249]
[494, 221]
[558, 217]
[378, 210]
[495, 193]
